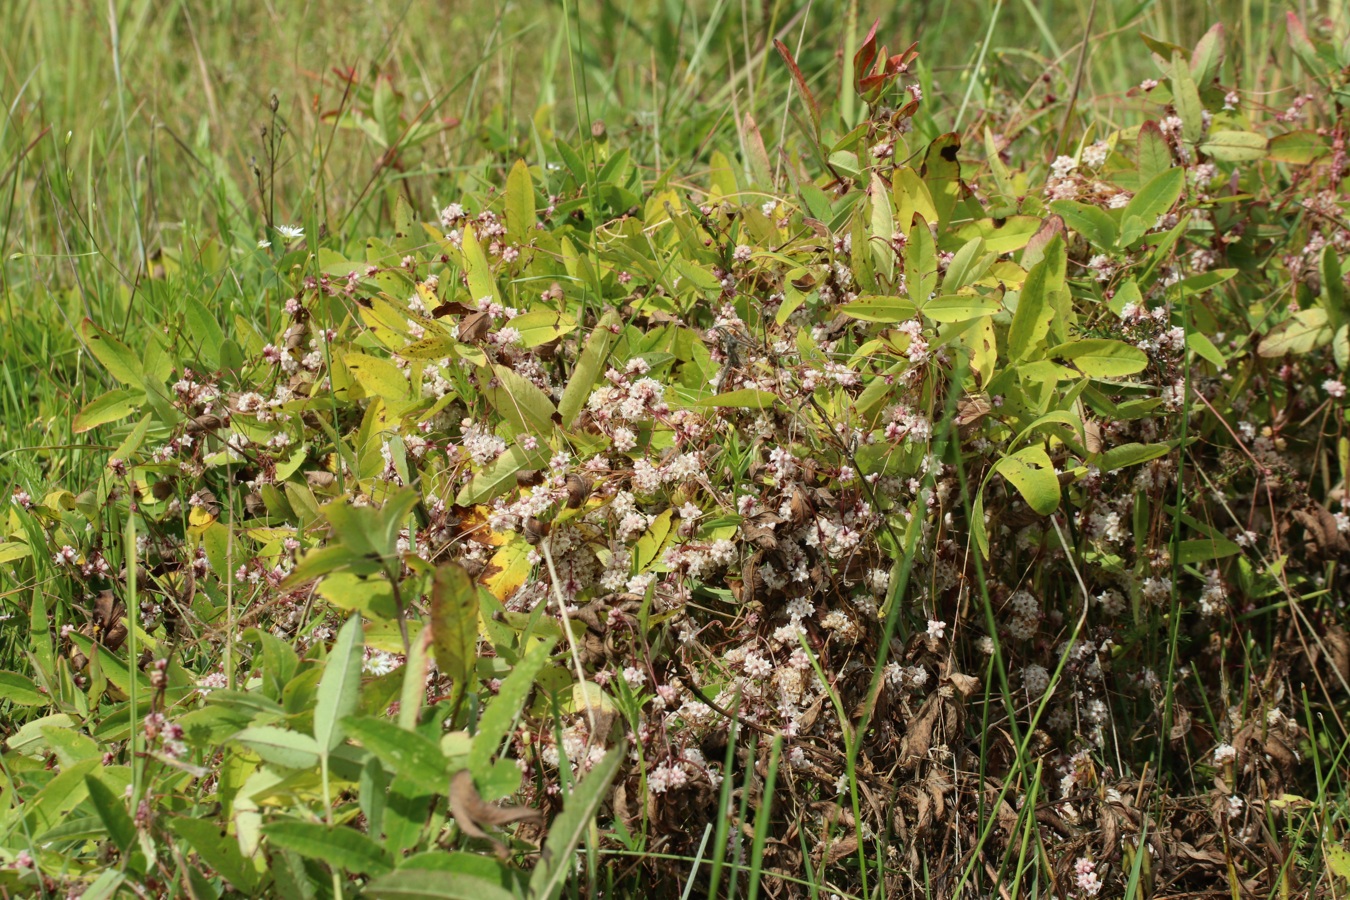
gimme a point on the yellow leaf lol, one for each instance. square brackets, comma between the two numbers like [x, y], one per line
[509, 568]
[377, 376]
[199, 520]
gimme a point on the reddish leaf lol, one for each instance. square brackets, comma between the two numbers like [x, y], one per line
[863, 59]
[797, 76]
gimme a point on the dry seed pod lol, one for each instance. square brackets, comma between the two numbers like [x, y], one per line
[529, 477]
[475, 327]
[800, 506]
[254, 505]
[204, 423]
[578, 490]
[535, 530]
[295, 336]
[206, 500]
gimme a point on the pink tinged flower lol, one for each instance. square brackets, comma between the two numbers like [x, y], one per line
[1334, 388]
[1086, 877]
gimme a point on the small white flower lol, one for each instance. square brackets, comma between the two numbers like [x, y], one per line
[1062, 166]
[1095, 155]
[290, 232]
[264, 244]
[1224, 753]
[936, 629]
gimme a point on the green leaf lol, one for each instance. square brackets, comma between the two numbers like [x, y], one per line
[978, 532]
[1092, 222]
[521, 403]
[746, 398]
[1187, 99]
[414, 692]
[1333, 285]
[555, 864]
[218, 851]
[588, 368]
[55, 802]
[1130, 455]
[874, 308]
[1153, 200]
[1102, 358]
[280, 746]
[1033, 474]
[109, 407]
[204, 331]
[408, 753]
[960, 307]
[519, 203]
[70, 745]
[454, 622]
[1031, 321]
[426, 884]
[1205, 549]
[1054, 417]
[378, 376]
[921, 268]
[1205, 349]
[21, 690]
[1234, 146]
[501, 713]
[340, 687]
[113, 812]
[883, 226]
[341, 848]
[499, 475]
[967, 266]
[482, 283]
[121, 361]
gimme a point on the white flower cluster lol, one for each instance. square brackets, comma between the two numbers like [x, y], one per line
[1026, 615]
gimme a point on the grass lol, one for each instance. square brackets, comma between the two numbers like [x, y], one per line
[148, 147]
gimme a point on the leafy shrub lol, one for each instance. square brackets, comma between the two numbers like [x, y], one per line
[912, 495]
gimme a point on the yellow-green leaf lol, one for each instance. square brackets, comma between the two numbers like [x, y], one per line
[1033, 474]
[541, 326]
[121, 361]
[1234, 146]
[519, 203]
[378, 376]
[747, 398]
[1102, 358]
[960, 307]
[1302, 332]
[874, 308]
[107, 408]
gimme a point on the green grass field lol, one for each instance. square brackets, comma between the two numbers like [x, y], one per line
[934, 487]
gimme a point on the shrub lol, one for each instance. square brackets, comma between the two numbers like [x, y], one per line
[933, 499]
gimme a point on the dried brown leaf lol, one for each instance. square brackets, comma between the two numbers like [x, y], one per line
[471, 812]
